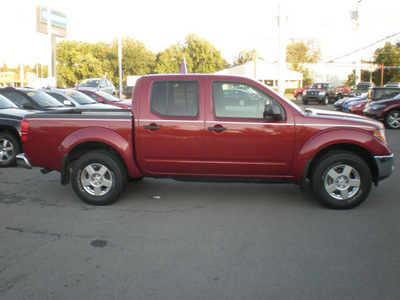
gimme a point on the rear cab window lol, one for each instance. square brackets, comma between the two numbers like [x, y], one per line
[175, 98]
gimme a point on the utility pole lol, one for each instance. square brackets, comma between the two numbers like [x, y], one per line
[120, 65]
[282, 22]
[354, 16]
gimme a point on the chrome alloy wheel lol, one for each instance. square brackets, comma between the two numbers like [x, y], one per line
[394, 120]
[342, 182]
[97, 179]
[6, 150]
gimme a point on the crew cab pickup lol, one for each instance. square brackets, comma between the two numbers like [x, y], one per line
[193, 127]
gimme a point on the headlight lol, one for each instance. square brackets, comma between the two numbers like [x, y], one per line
[321, 93]
[377, 106]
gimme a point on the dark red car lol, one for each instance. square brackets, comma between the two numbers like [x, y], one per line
[106, 98]
[387, 111]
[358, 107]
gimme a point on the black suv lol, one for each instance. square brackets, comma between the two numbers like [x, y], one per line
[321, 92]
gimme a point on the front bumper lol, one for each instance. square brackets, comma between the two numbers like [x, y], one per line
[385, 166]
[22, 161]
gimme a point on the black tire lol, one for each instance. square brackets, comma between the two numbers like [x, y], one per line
[299, 97]
[325, 101]
[392, 119]
[341, 180]
[9, 148]
[305, 102]
[98, 178]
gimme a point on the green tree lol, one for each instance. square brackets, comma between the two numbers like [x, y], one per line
[200, 55]
[389, 56]
[300, 53]
[245, 56]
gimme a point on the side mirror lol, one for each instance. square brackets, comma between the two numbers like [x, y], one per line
[272, 111]
[67, 103]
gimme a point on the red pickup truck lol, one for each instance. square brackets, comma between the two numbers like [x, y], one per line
[205, 127]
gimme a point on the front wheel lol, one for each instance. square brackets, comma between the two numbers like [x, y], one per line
[98, 178]
[341, 180]
[325, 101]
[392, 119]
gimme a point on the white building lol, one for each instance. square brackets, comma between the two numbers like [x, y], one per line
[265, 72]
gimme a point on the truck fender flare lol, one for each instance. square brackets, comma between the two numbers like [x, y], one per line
[99, 135]
[329, 139]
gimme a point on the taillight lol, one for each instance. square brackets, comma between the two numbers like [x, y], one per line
[24, 131]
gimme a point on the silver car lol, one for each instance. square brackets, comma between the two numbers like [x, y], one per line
[97, 84]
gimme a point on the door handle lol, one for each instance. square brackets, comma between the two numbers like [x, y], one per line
[152, 127]
[216, 128]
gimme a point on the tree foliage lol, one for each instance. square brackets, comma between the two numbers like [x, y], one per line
[389, 56]
[246, 56]
[79, 60]
[300, 53]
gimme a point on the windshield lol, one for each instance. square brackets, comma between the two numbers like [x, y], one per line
[81, 98]
[43, 99]
[5, 103]
[108, 96]
[318, 86]
[89, 83]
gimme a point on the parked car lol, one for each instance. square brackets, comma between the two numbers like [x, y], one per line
[97, 84]
[298, 94]
[73, 98]
[28, 98]
[10, 128]
[386, 111]
[352, 101]
[321, 92]
[362, 87]
[381, 93]
[105, 98]
[341, 103]
[358, 107]
[345, 90]
[392, 84]
[240, 97]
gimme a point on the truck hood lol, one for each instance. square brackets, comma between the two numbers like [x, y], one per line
[340, 116]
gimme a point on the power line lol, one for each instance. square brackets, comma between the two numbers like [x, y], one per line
[377, 42]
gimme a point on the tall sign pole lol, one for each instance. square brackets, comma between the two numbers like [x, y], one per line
[54, 24]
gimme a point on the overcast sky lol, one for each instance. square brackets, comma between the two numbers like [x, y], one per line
[230, 25]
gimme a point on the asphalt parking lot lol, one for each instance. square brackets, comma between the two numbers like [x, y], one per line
[176, 240]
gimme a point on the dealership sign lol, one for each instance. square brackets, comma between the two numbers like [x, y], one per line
[58, 21]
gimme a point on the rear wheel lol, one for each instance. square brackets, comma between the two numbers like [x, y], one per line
[98, 178]
[392, 119]
[9, 148]
[299, 97]
[341, 180]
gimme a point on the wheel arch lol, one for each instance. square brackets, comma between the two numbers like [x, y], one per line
[355, 149]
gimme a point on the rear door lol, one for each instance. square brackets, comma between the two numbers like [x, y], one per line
[170, 130]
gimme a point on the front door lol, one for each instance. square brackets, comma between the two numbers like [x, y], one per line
[240, 142]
